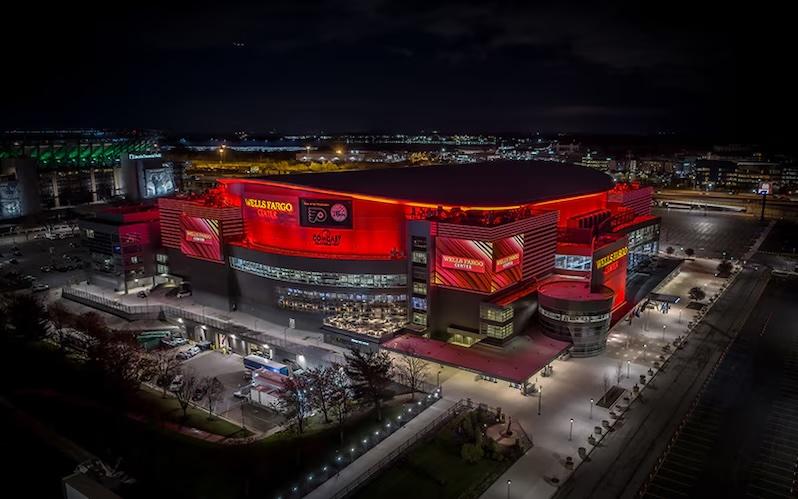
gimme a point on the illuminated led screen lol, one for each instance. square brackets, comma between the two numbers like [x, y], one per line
[482, 266]
[200, 238]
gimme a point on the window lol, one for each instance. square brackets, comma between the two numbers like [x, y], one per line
[419, 288]
[320, 278]
[572, 262]
[90, 233]
[420, 257]
[135, 259]
[499, 332]
[161, 269]
[161, 258]
[420, 318]
[419, 303]
[495, 314]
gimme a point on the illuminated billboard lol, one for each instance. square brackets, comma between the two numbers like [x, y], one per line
[271, 208]
[482, 266]
[327, 213]
[157, 182]
[200, 238]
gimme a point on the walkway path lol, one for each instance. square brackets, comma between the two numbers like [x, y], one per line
[348, 475]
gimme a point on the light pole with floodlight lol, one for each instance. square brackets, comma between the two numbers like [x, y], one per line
[591, 408]
[540, 398]
[509, 482]
[571, 431]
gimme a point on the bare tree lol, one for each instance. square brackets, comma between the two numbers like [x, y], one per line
[60, 317]
[185, 391]
[320, 380]
[294, 403]
[27, 317]
[606, 383]
[213, 393]
[92, 324]
[618, 372]
[370, 373]
[412, 371]
[342, 398]
[166, 365]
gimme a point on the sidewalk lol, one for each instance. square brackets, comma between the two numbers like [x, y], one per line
[348, 475]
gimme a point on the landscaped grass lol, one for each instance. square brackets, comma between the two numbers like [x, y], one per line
[168, 408]
[434, 470]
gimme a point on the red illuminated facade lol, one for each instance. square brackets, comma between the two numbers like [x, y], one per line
[357, 244]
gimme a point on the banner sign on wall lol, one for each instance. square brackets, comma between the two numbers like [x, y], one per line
[330, 213]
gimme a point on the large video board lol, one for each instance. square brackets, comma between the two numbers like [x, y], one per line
[200, 238]
[481, 266]
[157, 182]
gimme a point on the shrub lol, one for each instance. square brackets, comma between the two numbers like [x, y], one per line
[471, 454]
[697, 293]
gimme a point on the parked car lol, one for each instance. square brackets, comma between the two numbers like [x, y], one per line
[46, 268]
[39, 286]
[143, 294]
[173, 341]
[183, 293]
[29, 278]
[204, 345]
[13, 261]
[243, 392]
[176, 383]
[188, 353]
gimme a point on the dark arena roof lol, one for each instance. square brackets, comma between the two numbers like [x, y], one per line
[490, 184]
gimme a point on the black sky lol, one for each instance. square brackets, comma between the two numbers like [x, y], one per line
[405, 65]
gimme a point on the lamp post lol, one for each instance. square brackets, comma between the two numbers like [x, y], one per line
[664, 327]
[591, 408]
[509, 482]
[540, 398]
[571, 431]
[628, 368]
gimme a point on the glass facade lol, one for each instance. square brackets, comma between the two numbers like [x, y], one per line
[334, 302]
[494, 331]
[331, 279]
[573, 262]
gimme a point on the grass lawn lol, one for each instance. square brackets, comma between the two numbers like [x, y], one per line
[434, 469]
[153, 403]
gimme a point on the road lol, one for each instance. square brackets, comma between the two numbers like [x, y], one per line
[620, 465]
[742, 438]
[774, 208]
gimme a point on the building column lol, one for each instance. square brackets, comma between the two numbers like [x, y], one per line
[56, 193]
[93, 184]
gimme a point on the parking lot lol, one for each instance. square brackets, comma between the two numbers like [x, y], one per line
[709, 234]
[229, 368]
[37, 253]
[742, 437]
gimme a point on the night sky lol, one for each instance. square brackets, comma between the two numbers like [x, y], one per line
[400, 65]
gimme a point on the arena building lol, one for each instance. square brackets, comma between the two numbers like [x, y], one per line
[458, 254]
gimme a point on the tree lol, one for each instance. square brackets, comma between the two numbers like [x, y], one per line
[92, 324]
[471, 453]
[618, 372]
[412, 371]
[669, 250]
[689, 252]
[165, 367]
[341, 397]
[213, 392]
[606, 383]
[370, 373]
[119, 364]
[60, 318]
[294, 403]
[725, 267]
[186, 390]
[320, 380]
[697, 293]
[27, 317]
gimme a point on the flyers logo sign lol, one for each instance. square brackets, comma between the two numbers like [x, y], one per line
[330, 213]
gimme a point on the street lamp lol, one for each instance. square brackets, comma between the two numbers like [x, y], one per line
[591, 408]
[509, 482]
[571, 431]
[540, 398]
[664, 327]
[628, 368]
